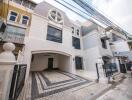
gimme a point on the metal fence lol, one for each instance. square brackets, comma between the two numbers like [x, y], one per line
[110, 69]
[18, 81]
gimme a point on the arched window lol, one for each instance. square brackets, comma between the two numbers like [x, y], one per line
[55, 16]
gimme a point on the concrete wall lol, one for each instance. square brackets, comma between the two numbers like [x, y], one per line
[90, 58]
[93, 50]
[65, 63]
[120, 46]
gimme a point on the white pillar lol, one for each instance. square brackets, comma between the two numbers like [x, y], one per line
[7, 62]
[102, 77]
[117, 63]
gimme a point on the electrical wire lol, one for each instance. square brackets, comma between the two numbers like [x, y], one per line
[77, 8]
[72, 10]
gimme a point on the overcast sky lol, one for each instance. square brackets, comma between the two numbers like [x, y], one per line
[120, 11]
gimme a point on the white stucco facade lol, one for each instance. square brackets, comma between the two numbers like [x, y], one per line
[37, 45]
[93, 44]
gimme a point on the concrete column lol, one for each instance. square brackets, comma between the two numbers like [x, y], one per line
[7, 62]
[118, 65]
[102, 77]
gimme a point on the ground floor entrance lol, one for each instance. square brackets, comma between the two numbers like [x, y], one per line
[51, 61]
[78, 62]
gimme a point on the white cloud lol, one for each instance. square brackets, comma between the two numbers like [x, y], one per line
[119, 11]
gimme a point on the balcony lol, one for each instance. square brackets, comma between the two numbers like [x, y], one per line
[14, 37]
[13, 34]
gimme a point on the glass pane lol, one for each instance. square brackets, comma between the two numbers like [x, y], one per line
[12, 18]
[53, 16]
[24, 22]
[25, 17]
[15, 30]
[53, 12]
[54, 34]
[32, 6]
[58, 19]
[77, 31]
[76, 42]
[13, 13]
[18, 1]
[26, 3]
[58, 15]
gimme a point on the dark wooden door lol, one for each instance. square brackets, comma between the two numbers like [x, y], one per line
[78, 62]
[122, 68]
[50, 63]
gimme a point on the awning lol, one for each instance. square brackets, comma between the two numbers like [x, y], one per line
[121, 54]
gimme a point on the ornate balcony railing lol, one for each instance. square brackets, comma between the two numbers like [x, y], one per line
[14, 37]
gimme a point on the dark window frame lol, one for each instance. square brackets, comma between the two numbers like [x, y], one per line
[13, 16]
[76, 42]
[78, 32]
[51, 36]
[72, 30]
[104, 43]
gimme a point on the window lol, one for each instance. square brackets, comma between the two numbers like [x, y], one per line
[25, 20]
[78, 32]
[18, 1]
[15, 30]
[55, 16]
[104, 45]
[32, 6]
[14, 34]
[25, 3]
[115, 38]
[79, 62]
[76, 42]
[54, 34]
[72, 30]
[13, 16]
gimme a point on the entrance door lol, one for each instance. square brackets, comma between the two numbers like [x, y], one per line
[78, 62]
[50, 63]
[122, 68]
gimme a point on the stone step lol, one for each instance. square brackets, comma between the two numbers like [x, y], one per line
[117, 77]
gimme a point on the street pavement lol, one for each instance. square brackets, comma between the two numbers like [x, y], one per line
[122, 91]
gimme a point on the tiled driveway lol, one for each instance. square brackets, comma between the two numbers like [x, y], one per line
[46, 83]
[58, 85]
[51, 82]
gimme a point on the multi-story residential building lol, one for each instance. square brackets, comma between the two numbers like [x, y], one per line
[54, 42]
[119, 46]
[15, 16]
[96, 46]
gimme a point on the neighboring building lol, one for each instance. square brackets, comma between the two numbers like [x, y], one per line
[120, 47]
[16, 16]
[96, 46]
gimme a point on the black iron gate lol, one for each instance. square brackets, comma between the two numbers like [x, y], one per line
[18, 80]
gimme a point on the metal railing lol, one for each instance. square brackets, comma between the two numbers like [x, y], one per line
[18, 81]
[14, 37]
